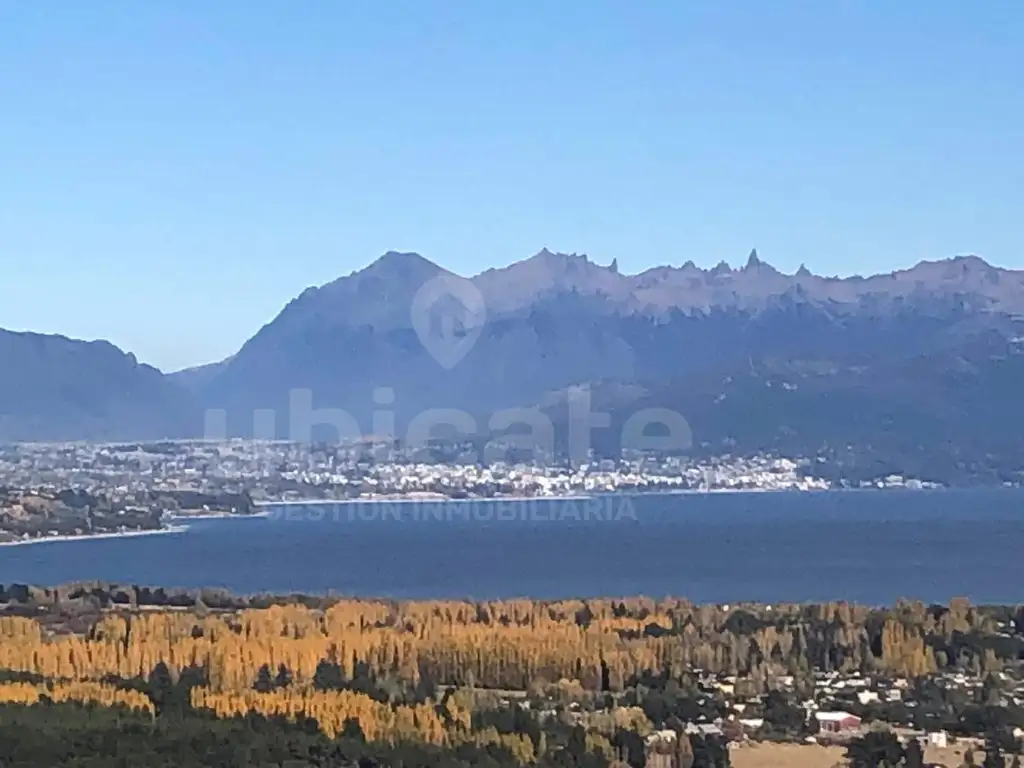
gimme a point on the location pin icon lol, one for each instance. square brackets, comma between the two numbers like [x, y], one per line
[448, 314]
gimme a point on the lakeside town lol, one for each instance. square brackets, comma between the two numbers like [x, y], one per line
[77, 489]
[282, 471]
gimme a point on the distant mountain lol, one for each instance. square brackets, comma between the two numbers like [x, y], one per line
[557, 320]
[662, 290]
[54, 388]
[942, 416]
[919, 367]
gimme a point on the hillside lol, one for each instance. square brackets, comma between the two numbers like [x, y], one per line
[54, 388]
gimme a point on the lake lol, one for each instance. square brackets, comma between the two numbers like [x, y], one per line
[864, 546]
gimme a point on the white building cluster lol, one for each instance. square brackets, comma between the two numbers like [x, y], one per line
[290, 471]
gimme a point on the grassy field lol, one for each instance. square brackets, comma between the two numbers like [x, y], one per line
[817, 756]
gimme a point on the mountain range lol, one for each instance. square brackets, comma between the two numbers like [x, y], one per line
[916, 366]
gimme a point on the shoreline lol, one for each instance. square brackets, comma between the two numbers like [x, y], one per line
[522, 499]
[571, 497]
[216, 516]
[266, 508]
[93, 536]
[416, 500]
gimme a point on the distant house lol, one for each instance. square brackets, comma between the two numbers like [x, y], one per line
[837, 722]
[938, 739]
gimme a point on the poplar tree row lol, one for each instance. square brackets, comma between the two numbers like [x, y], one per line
[597, 645]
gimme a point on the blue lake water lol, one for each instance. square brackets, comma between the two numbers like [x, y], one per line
[871, 547]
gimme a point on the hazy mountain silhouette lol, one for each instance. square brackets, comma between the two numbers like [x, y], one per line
[54, 388]
[556, 320]
[752, 357]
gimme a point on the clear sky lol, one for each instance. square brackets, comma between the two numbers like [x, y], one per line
[172, 173]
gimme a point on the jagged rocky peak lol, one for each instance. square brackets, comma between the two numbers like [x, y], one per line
[546, 254]
[398, 261]
[559, 263]
[755, 264]
[803, 271]
[722, 268]
[972, 263]
[399, 268]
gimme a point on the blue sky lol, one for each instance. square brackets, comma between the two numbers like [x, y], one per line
[171, 174]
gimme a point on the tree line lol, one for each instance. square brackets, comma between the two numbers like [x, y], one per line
[402, 675]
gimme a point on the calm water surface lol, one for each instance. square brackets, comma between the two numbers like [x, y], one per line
[869, 547]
